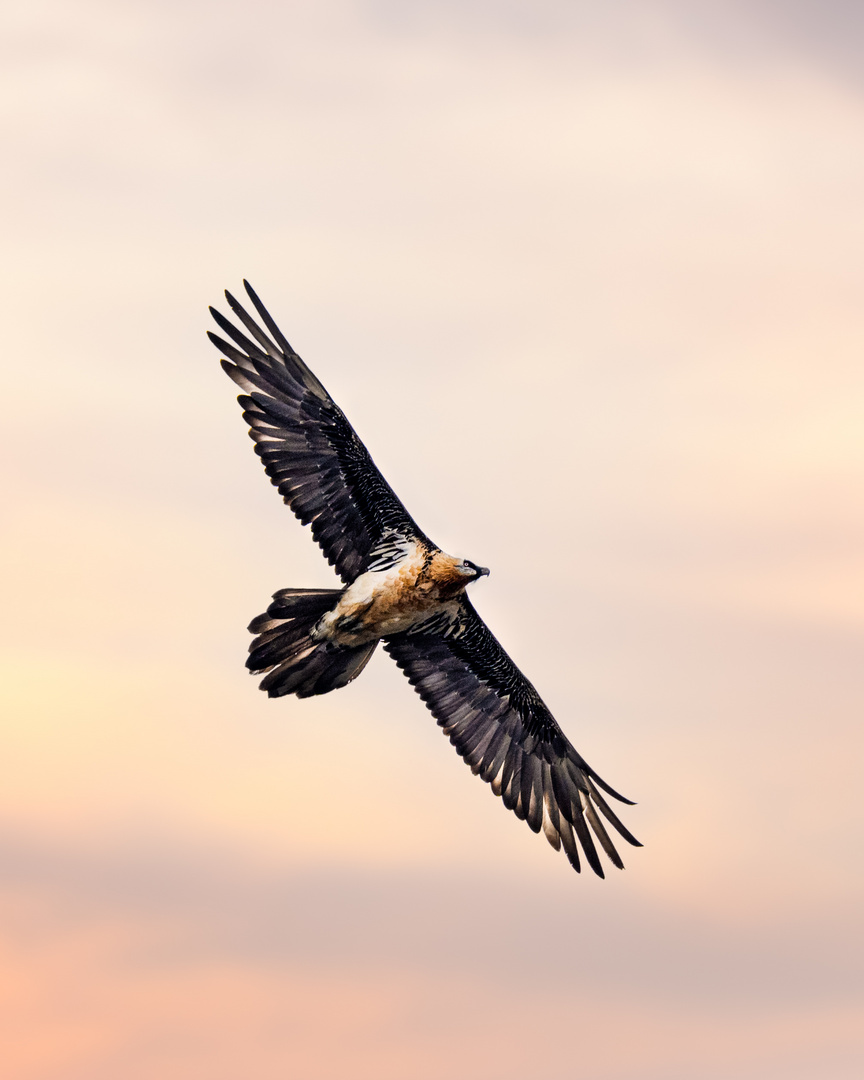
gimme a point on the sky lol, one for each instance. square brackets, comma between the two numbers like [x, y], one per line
[587, 281]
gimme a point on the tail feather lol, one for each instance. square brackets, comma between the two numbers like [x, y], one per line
[295, 663]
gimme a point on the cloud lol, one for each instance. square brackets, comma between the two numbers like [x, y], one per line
[195, 957]
[587, 281]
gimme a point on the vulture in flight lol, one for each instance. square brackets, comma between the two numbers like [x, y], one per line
[401, 589]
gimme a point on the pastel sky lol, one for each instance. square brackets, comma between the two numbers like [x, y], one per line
[587, 279]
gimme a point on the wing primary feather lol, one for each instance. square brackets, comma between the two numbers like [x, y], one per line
[610, 815]
[241, 339]
[514, 791]
[563, 794]
[239, 358]
[291, 357]
[494, 778]
[549, 830]
[609, 790]
[255, 375]
[238, 376]
[254, 329]
[267, 319]
[581, 829]
[532, 794]
[600, 832]
[551, 817]
[570, 848]
[508, 788]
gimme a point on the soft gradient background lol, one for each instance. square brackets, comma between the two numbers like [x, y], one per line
[588, 281]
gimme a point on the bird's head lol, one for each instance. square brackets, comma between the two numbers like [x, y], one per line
[471, 571]
[451, 575]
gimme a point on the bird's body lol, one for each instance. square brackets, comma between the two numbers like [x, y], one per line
[395, 599]
[400, 589]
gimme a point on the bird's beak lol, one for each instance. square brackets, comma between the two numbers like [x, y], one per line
[482, 571]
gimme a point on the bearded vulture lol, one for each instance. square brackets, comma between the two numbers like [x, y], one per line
[399, 589]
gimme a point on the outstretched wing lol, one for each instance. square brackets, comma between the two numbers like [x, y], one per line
[500, 726]
[310, 451]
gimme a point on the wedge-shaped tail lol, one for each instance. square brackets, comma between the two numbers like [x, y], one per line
[296, 663]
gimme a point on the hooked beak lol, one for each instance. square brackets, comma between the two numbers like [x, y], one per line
[482, 571]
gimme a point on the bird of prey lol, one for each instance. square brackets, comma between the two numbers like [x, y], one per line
[400, 589]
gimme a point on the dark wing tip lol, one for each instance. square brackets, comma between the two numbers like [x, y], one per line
[267, 318]
[219, 342]
[610, 790]
[607, 812]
